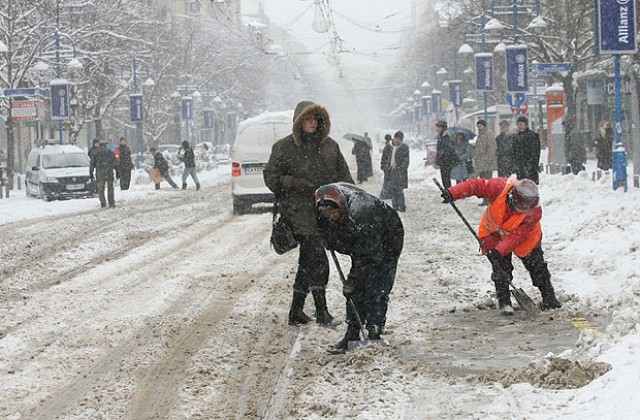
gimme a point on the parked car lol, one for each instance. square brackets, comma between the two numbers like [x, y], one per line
[58, 171]
[251, 151]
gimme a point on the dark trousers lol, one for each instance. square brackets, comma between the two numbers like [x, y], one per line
[445, 175]
[313, 266]
[167, 177]
[534, 263]
[397, 199]
[371, 296]
[125, 178]
[110, 194]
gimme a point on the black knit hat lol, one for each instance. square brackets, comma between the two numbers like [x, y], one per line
[399, 134]
[523, 119]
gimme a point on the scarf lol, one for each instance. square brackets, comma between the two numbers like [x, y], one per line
[393, 156]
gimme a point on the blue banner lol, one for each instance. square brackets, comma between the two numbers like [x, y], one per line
[617, 33]
[417, 110]
[455, 92]
[59, 99]
[136, 108]
[484, 72]
[208, 119]
[436, 102]
[517, 72]
[426, 105]
[187, 108]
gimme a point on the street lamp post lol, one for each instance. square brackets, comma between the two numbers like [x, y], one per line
[60, 109]
[136, 101]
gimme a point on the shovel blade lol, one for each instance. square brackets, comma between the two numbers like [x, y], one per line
[525, 301]
[352, 345]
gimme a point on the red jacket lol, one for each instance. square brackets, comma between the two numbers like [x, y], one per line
[520, 236]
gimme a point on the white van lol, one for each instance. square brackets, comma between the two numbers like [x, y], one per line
[249, 156]
[58, 171]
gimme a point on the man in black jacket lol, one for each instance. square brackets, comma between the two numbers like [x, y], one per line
[395, 165]
[526, 151]
[125, 163]
[356, 223]
[103, 164]
[189, 159]
[161, 164]
[446, 157]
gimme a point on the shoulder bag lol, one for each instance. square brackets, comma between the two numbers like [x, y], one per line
[282, 238]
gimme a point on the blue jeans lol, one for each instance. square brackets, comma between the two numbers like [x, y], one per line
[192, 172]
[371, 296]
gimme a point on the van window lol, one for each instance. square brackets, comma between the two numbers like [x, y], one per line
[65, 160]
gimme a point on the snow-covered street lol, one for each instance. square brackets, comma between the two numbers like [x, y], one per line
[171, 307]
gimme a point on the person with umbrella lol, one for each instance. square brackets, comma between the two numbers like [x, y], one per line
[362, 151]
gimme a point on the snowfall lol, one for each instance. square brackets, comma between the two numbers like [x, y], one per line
[170, 306]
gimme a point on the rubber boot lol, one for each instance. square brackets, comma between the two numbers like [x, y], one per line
[197, 187]
[184, 185]
[323, 317]
[296, 314]
[157, 186]
[374, 332]
[549, 300]
[502, 293]
[353, 334]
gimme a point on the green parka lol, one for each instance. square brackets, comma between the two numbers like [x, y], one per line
[299, 164]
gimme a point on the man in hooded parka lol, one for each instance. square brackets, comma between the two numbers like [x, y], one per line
[356, 223]
[298, 165]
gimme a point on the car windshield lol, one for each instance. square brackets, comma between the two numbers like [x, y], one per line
[65, 160]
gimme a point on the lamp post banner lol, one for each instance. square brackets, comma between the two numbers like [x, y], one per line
[617, 33]
[187, 108]
[517, 72]
[426, 105]
[455, 92]
[208, 119]
[59, 100]
[136, 107]
[436, 102]
[484, 72]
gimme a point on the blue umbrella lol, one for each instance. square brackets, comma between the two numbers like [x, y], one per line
[358, 137]
[468, 134]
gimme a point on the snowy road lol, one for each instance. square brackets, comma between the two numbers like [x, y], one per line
[169, 307]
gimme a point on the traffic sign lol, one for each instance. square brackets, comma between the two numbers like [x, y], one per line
[24, 111]
[34, 91]
[550, 68]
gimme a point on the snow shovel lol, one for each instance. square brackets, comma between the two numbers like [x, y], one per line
[365, 341]
[521, 297]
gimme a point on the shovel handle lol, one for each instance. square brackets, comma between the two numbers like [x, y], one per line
[353, 306]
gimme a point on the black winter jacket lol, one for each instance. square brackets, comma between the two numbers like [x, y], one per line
[189, 158]
[160, 163]
[445, 150]
[526, 153]
[103, 162]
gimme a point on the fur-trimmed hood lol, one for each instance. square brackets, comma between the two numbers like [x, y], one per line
[302, 111]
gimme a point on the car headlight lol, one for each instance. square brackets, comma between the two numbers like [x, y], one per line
[50, 179]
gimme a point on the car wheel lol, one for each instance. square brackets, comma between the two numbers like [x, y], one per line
[43, 196]
[241, 207]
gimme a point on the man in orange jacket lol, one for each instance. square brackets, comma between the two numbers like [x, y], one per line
[510, 224]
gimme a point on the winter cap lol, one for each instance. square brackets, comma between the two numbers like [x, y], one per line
[524, 195]
[483, 122]
[504, 122]
[328, 196]
[441, 123]
[185, 144]
[523, 119]
[399, 134]
[387, 136]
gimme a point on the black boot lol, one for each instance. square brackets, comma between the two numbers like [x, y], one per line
[502, 293]
[549, 300]
[197, 187]
[323, 317]
[184, 185]
[374, 332]
[296, 314]
[353, 334]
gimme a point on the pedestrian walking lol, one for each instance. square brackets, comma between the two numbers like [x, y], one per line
[189, 159]
[526, 151]
[299, 164]
[125, 163]
[504, 151]
[460, 171]
[485, 153]
[396, 161]
[574, 150]
[362, 152]
[102, 166]
[510, 225]
[604, 146]
[445, 152]
[356, 223]
[161, 164]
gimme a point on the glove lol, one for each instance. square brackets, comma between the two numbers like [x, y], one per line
[494, 256]
[446, 197]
